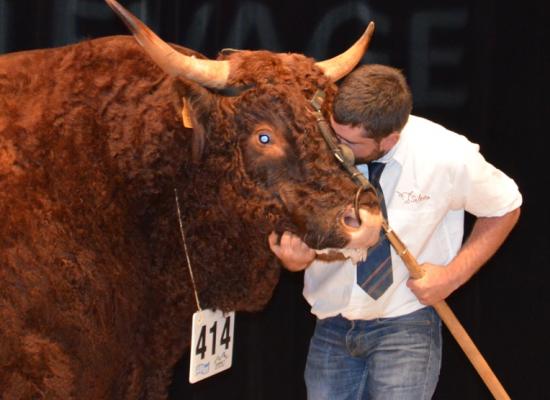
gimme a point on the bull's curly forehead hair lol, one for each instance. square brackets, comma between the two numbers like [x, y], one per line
[376, 97]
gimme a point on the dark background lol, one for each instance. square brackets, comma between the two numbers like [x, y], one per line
[477, 67]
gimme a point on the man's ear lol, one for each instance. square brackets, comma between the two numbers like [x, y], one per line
[387, 142]
[196, 106]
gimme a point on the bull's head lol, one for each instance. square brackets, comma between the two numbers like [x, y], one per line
[256, 106]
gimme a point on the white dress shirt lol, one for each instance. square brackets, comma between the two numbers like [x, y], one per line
[432, 176]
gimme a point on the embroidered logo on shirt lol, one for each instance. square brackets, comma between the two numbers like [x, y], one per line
[412, 197]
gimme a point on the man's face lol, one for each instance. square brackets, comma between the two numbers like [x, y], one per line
[364, 149]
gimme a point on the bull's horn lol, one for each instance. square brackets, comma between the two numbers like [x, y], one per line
[341, 65]
[209, 73]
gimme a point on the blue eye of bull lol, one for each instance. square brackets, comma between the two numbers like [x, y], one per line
[264, 138]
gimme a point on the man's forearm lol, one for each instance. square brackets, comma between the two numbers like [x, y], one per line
[486, 237]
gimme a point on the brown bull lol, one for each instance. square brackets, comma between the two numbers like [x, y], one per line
[95, 295]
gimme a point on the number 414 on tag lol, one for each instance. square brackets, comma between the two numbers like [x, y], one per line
[211, 343]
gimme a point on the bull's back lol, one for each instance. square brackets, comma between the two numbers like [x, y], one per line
[81, 121]
[60, 113]
[78, 96]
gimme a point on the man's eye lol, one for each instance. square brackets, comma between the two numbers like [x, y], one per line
[264, 138]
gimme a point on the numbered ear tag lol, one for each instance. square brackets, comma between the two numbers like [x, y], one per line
[211, 343]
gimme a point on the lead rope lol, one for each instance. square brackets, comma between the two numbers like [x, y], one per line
[186, 252]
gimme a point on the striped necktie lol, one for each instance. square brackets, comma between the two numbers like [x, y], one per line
[374, 275]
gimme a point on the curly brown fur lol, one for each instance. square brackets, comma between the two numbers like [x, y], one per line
[95, 296]
[89, 139]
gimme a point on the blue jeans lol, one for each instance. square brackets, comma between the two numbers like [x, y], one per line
[387, 358]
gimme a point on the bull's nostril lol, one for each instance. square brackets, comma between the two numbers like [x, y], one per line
[351, 222]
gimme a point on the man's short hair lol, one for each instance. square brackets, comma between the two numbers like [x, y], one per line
[375, 97]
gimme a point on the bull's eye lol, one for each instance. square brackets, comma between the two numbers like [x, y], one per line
[264, 138]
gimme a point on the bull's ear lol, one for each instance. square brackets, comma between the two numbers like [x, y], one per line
[186, 114]
[197, 103]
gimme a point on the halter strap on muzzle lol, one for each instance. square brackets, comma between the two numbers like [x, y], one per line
[342, 152]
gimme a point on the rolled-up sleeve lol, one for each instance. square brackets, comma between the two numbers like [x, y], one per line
[482, 189]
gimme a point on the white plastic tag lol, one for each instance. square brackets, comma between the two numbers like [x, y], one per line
[211, 343]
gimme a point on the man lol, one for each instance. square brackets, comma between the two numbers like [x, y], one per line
[384, 342]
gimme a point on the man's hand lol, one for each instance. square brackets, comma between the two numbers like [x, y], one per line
[487, 235]
[436, 284]
[294, 254]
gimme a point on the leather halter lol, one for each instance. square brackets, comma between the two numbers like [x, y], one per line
[341, 151]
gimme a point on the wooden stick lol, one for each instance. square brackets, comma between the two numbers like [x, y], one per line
[451, 321]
